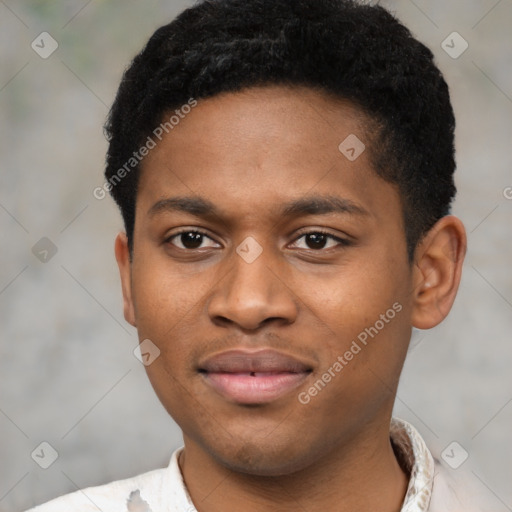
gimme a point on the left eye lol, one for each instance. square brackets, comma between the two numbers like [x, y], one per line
[191, 240]
[317, 240]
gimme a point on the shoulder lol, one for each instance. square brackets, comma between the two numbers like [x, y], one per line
[457, 491]
[112, 496]
[139, 493]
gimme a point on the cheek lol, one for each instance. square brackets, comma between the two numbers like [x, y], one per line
[362, 359]
[354, 298]
[169, 308]
[165, 308]
[164, 298]
[367, 313]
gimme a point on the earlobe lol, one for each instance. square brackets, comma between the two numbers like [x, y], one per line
[437, 272]
[122, 253]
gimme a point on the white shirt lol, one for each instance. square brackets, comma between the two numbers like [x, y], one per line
[432, 487]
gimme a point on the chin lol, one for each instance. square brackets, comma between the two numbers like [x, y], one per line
[264, 457]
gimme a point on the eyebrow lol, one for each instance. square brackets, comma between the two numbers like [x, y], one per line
[321, 205]
[194, 205]
[313, 205]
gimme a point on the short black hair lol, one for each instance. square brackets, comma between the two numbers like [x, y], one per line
[347, 49]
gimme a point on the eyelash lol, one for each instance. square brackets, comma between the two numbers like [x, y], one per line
[343, 242]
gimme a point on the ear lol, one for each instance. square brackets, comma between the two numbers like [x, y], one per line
[437, 272]
[123, 262]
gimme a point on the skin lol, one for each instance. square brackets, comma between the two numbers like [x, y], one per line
[249, 153]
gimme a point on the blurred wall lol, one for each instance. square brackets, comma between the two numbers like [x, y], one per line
[67, 370]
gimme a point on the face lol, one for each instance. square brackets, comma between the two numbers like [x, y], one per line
[271, 272]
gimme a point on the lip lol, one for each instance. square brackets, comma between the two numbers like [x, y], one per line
[253, 377]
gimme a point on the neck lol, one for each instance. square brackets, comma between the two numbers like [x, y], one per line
[361, 475]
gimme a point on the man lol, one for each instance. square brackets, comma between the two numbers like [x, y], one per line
[284, 169]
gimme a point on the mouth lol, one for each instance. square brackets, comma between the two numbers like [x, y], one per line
[253, 377]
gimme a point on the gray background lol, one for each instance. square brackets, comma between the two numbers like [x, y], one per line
[67, 369]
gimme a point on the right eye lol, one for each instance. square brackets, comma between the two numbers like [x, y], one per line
[190, 239]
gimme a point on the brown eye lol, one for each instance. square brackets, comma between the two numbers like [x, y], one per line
[318, 240]
[191, 240]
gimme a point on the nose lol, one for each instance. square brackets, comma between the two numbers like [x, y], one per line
[253, 294]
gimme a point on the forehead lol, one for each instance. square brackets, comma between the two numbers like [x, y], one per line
[265, 146]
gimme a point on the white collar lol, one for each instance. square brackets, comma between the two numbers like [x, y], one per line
[416, 460]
